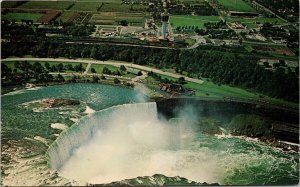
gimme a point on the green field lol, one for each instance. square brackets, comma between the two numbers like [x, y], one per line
[188, 20]
[56, 5]
[22, 16]
[107, 6]
[236, 5]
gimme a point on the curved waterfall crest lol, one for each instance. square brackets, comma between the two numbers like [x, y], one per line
[87, 127]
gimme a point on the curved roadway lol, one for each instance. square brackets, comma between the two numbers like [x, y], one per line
[109, 62]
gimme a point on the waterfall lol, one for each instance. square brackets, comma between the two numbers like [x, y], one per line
[87, 127]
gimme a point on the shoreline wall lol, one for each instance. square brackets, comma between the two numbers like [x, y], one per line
[284, 124]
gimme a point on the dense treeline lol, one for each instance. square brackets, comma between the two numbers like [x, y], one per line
[284, 8]
[222, 65]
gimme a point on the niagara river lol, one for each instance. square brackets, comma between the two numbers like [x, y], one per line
[99, 134]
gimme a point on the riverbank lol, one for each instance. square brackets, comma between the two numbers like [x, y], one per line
[203, 88]
[8, 89]
[276, 126]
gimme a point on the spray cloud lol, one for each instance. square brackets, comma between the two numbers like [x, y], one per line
[135, 143]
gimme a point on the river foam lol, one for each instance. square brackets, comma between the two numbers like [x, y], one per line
[128, 141]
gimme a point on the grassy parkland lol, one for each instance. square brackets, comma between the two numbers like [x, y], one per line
[189, 20]
[210, 90]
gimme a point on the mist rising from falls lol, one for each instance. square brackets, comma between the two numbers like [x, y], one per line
[127, 141]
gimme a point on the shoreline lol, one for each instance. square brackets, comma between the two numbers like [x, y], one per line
[259, 101]
[284, 145]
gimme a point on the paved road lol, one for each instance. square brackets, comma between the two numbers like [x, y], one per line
[109, 62]
[87, 68]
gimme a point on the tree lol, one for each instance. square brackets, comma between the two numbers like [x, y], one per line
[93, 70]
[47, 66]
[60, 78]
[181, 80]
[95, 79]
[60, 67]
[240, 41]
[123, 68]
[69, 67]
[139, 73]
[78, 68]
[106, 71]
[117, 81]
[73, 79]
[124, 23]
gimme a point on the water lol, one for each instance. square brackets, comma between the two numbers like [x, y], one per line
[124, 142]
[130, 141]
[28, 129]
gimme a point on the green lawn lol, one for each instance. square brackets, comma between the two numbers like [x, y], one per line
[56, 5]
[99, 68]
[129, 75]
[189, 20]
[236, 5]
[213, 91]
[22, 16]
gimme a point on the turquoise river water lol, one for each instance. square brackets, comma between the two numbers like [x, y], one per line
[145, 146]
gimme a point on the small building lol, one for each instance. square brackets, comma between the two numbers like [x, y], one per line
[177, 89]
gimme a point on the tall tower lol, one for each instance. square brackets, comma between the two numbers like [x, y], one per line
[164, 27]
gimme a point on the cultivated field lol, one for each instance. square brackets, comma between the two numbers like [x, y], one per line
[187, 20]
[66, 16]
[274, 49]
[56, 5]
[86, 6]
[22, 16]
[117, 7]
[236, 5]
[112, 18]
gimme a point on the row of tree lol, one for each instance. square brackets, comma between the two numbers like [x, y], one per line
[231, 66]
